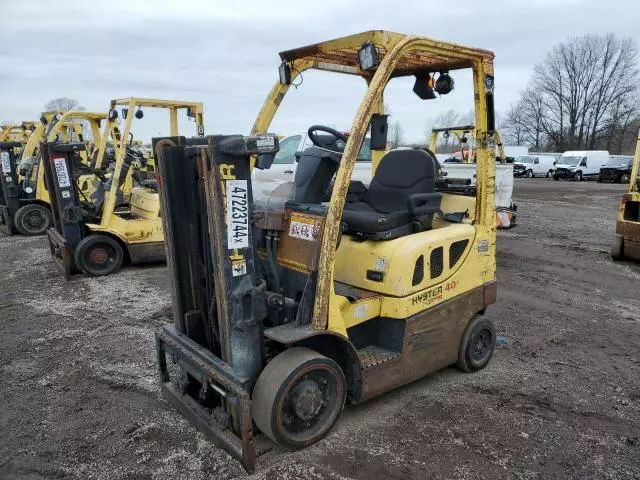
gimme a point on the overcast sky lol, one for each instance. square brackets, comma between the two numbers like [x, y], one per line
[225, 53]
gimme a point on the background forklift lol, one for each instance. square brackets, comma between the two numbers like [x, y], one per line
[96, 241]
[460, 174]
[25, 208]
[324, 292]
[626, 244]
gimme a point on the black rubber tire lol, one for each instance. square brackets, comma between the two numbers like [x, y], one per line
[98, 255]
[479, 331]
[625, 177]
[549, 173]
[617, 248]
[286, 371]
[578, 176]
[33, 219]
[530, 174]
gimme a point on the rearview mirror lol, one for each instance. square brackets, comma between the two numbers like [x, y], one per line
[379, 129]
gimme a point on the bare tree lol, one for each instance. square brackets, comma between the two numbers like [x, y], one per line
[395, 137]
[62, 104]
[579, 96]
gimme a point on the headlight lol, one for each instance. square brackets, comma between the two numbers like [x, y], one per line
[368, 56]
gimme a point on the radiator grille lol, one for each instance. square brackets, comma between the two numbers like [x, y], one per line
[418, 271]
[456, 250]
[436, 262]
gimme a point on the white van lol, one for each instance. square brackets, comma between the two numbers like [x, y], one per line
[580, 164]
[534, 166]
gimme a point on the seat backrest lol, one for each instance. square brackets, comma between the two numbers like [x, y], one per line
[401, 173]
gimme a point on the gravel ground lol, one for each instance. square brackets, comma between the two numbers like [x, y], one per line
[80, 398]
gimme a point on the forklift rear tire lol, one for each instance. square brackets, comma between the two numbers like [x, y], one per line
[477, 345]
[98, 255]
[33, 219]
[617, 248]
[298, 397]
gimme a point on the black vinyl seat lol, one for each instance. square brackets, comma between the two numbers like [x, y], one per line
[401, 198]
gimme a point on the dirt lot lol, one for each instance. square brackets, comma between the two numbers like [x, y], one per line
[79, 397]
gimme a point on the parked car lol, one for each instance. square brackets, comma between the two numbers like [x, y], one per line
[534, 166]
[580, 165]
[618, 170]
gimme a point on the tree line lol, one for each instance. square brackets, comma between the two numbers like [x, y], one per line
[585, 95]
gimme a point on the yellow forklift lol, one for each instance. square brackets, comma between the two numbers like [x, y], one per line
[325, 291]
[97, 238]
[460, 174]
[25, 207]
[16, 132]
[626, 244]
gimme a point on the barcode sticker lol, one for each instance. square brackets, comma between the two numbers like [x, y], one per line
[266, 141]
[6, 162]
[237, 214]
[62, 172]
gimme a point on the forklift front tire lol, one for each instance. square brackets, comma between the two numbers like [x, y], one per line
[298, 397]
[98, 255]
[33, 219]
[477, 345]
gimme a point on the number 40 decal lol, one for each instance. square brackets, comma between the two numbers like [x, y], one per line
[451, 285]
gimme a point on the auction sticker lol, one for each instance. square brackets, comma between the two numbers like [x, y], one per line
[237, 214]
[6, 164]
[304, 229]
[62, 172]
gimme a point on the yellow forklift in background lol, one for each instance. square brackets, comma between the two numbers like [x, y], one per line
[325, 291]
[460, 174]
[96, 241]
[464, 135]
[25, 207]
[626, 244]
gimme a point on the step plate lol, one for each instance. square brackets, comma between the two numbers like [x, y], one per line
[372, 355]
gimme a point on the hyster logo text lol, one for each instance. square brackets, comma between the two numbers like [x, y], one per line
[428, 297]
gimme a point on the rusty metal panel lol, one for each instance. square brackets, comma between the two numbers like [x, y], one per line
[431, 342]
[631, 248]
[299, 244]
[628, 229]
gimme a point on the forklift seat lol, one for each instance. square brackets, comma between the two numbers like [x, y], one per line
[401, 198]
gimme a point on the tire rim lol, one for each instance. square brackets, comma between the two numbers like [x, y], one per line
[34, 221]
[482, 345]
[101, 257]
[309, 404]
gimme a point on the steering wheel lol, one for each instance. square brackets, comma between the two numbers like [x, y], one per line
[321, 128]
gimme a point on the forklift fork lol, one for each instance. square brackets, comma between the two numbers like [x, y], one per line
[211, 372]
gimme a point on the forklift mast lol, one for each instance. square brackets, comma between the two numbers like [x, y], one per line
[9, 187]
[59, 162]
[219, 298]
